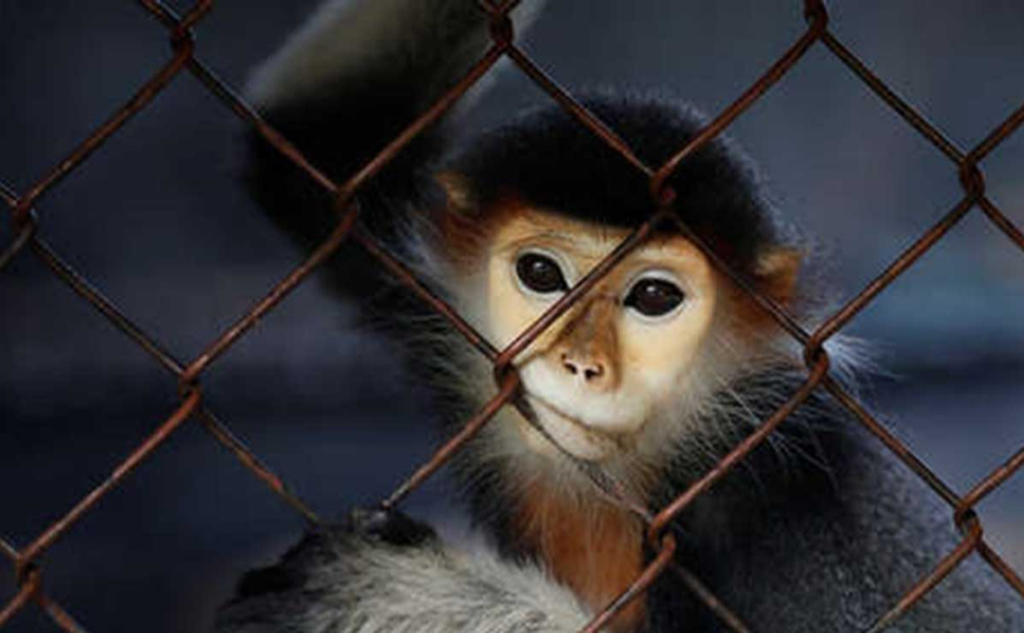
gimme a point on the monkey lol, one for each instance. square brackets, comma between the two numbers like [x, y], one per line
[648, 380]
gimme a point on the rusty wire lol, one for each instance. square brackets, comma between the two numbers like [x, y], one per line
[25, 215]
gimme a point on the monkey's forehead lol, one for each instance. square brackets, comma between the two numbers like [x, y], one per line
[587, 242]
[550, 160]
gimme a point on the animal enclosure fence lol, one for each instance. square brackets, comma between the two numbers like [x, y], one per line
[27, 216]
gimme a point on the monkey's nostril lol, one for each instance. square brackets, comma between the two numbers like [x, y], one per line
[569, 365]
[590, 370]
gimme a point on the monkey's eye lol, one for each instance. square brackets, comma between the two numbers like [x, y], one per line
[653, 297]
[540, 273]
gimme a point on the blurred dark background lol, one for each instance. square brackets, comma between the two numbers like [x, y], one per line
[157, 220]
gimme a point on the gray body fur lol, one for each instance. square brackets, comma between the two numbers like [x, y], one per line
[345, 581]
[800, 545]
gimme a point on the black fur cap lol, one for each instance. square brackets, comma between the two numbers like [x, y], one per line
[547, 158]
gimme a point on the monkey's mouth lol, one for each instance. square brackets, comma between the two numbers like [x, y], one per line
[570, 434]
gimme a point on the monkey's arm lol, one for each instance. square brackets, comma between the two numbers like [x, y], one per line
[398, 577]
[344, 85]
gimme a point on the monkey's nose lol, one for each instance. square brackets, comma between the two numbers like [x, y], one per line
[590, 369]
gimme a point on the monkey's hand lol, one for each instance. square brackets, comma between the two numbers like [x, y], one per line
[384, 572]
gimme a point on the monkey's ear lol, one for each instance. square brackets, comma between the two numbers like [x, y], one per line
[458, 190]
[777, 271]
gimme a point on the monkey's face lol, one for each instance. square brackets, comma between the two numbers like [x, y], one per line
[615, 364]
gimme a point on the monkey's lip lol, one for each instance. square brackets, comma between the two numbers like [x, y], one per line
[570, 433]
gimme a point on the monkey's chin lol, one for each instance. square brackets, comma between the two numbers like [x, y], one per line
[571, 435]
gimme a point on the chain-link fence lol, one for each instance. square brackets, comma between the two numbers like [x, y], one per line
[28, 217]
